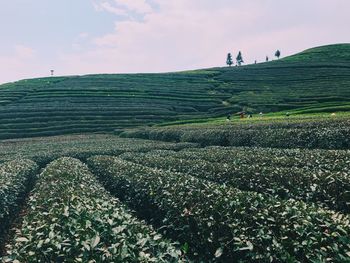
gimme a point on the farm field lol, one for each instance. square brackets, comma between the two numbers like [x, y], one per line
[46, 149]
[174, 131]
[297, 132]
[102, 198]
[303, 83]
[147, 167]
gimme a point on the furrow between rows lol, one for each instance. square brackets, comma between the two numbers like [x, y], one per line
[220, 223]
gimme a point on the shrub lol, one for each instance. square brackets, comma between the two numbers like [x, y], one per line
[217, 222]
[323, 134]
[323, 183]
[71, 218]
[16, 178]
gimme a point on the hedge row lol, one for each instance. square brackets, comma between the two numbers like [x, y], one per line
[16, 178]
[334, 136]
[71, 218]
[216, 222]
[46, 149]
[287, 158]
[312, 184]
[300, 158]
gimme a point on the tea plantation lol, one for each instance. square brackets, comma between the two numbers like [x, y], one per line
[320, 132]
[107, 187]
[140, 200]
[315, 80]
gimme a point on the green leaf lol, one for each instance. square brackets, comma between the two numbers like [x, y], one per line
[248, 247]
[66, 212]
[185, 248]
[157, 237]
[219, 252]
[22, 239]
[95, 241]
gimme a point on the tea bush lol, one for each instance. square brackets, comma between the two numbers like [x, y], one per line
[313, 183]
[299, 158]
[71, 218]
[220, 223]
[323, 134]
[16, 178]
[45, 150]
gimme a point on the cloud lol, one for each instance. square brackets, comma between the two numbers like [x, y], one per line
[138, 6]
[123, 7]
[174, 35]
[106, 6]
[178, 35]
[182, 34]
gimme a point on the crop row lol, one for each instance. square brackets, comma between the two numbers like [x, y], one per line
[323, 134]
[44, 150]
[336, 160]
[313, 185]
[163, 98]
[315, 159]
[16, 178]
[217, 222]
[71, 218]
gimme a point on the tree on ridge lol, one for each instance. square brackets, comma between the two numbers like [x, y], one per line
[239, 59]
[229, 61]
[278, 54]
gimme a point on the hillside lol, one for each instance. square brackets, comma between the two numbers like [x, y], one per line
[315, 80]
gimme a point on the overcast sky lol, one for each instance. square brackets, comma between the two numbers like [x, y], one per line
[119, 36]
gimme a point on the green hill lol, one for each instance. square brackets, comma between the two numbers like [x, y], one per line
[315, 80]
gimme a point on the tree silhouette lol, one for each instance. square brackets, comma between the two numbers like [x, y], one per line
[278, 54]
[229, 61]
[267, 58]
[239, 58]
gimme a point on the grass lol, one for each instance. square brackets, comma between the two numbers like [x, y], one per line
[311, 82]
[294, 116]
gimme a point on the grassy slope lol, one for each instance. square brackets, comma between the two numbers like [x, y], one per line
[315, 80]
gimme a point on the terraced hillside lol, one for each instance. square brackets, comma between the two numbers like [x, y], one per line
[314, 80]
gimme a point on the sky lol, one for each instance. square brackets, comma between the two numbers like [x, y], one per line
[75, 37]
